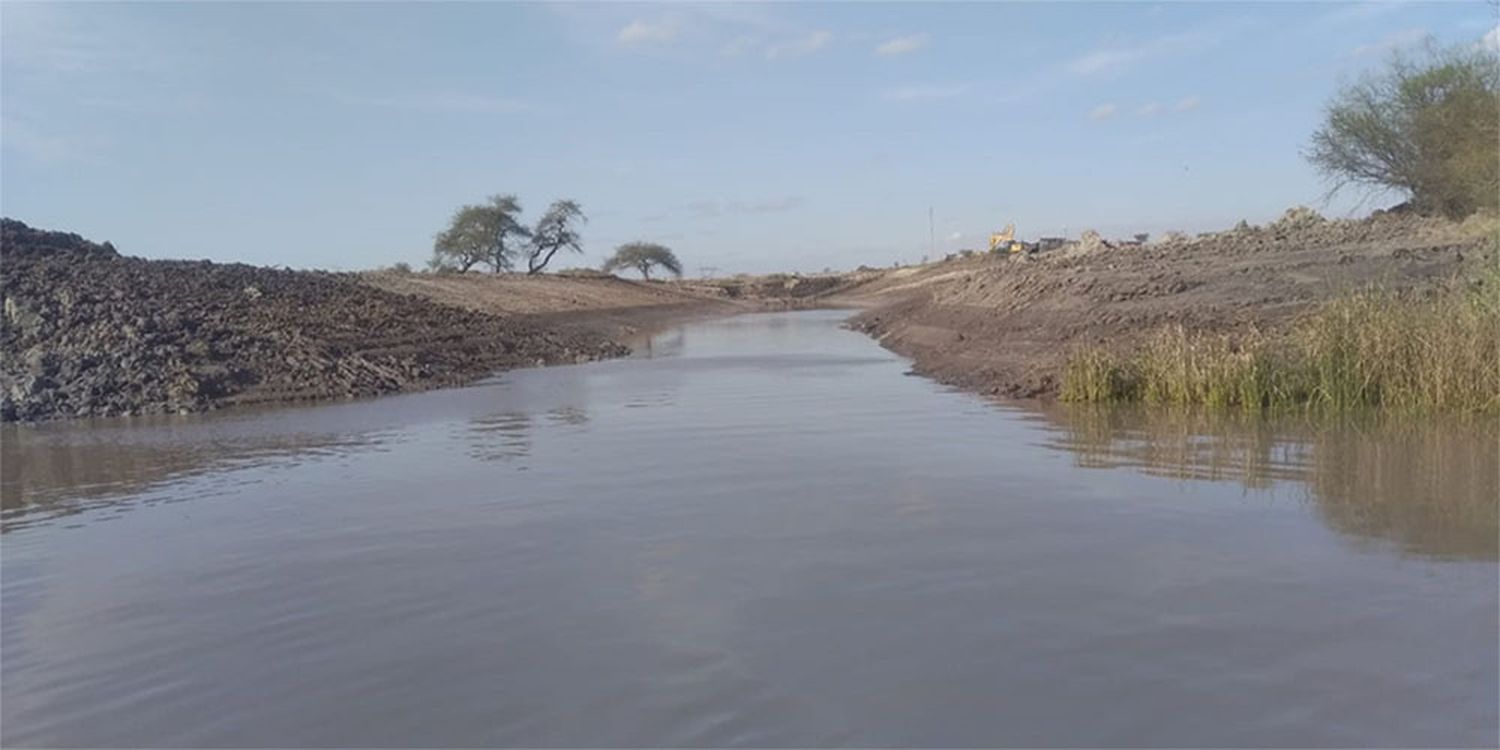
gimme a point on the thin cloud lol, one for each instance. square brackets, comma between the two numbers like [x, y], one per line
[36, 144]
[1116, 58]
[1491, 40]
[1391, 42]
[767, 206]
[1103, 112]
[739, 46]
[1361, 12]
[923, 93]
[800, 46]
[1186, 104]
[902, 45]
[640, 32]
[1101, 61]
[1150, 109]
[704, 209]
[709, 208]
[444, 101]
[53, 39]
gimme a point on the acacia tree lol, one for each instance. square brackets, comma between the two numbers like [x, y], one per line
[643, 256]
[1426, 125]
[480, 234]
[556, 230]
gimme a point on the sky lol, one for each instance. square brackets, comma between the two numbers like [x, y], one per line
[747, 137]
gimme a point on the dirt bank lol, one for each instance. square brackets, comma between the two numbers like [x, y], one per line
[598, 304]
[89, 332]
[620, 307]
[1005, 326]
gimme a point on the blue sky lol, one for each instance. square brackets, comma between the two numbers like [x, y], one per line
[749, 137]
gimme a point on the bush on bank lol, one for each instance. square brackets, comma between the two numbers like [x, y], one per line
[1426, 125]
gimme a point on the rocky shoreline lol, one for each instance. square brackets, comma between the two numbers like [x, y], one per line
[88, 332]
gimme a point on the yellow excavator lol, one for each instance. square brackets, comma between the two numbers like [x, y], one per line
[1005, 241]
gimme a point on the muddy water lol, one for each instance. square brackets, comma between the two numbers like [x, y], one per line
[763, 534]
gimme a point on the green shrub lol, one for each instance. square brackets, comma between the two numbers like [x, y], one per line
[1426, 125]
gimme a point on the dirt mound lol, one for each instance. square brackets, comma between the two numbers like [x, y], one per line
[1007, 327]
[87, 332]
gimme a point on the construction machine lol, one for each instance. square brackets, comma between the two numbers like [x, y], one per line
[1005, 241]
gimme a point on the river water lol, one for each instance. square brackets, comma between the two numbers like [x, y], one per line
[763, 532]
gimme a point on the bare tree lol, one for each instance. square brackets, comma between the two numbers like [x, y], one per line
[556, 230]
[643, 256]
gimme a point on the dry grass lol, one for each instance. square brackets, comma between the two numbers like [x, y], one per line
[1439, 353]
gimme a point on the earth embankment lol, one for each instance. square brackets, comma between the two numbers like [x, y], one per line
[88, 332]
[1006, 326]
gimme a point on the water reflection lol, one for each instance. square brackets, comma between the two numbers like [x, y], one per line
[1429, 486]
[500, 437]
[774, 538]
[569, 415]
[659, 344]
[51, 471]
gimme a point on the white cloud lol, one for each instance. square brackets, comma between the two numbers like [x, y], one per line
[444, 101]
[955, 236]
[1187, 104]
[1103, 112]
[1491, 39]
[738, 46]
[646, 32]
[923, 93]
[1391, 42]
[1103, 60]
[693, 32]
[1150, 109]
[1116, 58]
[902, 45]
[805, 44]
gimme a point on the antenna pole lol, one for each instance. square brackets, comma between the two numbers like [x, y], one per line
[931, 234]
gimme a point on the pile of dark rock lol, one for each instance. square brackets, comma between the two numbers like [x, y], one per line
[88, 332]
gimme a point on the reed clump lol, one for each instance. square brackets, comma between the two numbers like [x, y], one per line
[1437, 353]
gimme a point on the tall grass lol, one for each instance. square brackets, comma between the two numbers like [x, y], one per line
[1369, 349]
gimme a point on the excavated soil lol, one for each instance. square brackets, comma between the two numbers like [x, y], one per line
[88, 332]
[1006, 326]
